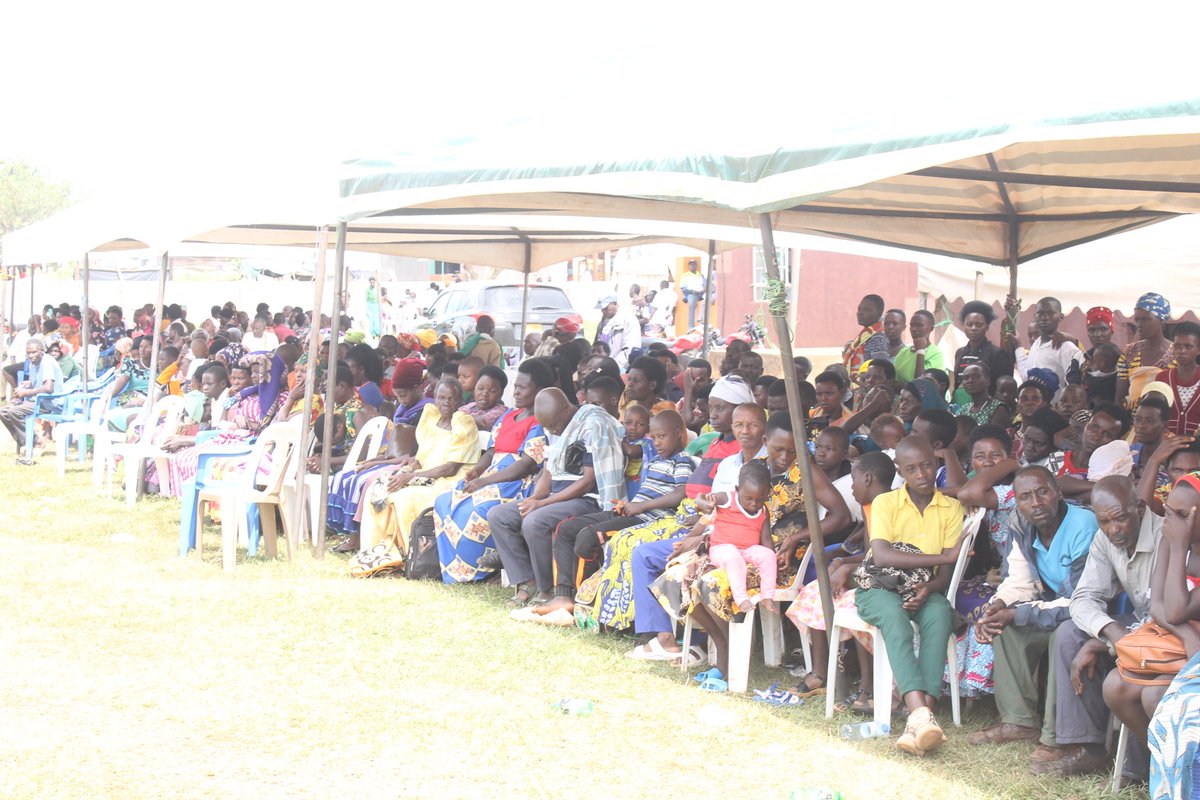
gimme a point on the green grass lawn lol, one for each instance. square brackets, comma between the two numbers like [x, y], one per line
[127, 672]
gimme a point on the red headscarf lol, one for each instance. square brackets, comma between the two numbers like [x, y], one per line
[408, 374]
[1100, 314]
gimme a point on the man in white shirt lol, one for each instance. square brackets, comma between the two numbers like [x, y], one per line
[1052, 349]
[664, 308]
[258, 337]
[619, 329]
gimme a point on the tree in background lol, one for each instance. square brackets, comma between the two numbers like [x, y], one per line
[27, 195]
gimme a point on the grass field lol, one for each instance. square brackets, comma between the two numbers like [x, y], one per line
[127, 672]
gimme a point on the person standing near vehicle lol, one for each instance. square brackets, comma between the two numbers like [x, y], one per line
[694, 288]
[620, 330]
[664, 308]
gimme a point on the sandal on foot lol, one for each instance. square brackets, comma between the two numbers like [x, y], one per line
[696, 656]
[652, 651]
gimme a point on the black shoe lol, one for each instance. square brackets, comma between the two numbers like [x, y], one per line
[490, 563]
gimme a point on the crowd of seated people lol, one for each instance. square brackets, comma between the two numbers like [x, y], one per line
[629, 493]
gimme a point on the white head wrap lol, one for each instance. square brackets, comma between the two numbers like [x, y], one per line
[732, 389]
[1113, 458]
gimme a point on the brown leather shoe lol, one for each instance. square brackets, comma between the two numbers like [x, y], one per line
[1003, 732]
[1045, 752]
[1076, 760]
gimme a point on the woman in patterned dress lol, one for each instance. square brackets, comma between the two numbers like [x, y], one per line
[504, 473]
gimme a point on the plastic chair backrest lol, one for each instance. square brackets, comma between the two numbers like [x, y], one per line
[280, 440]
[163, 421]
[92, 354]
[368, 439]
[100, 405]
[971, 525]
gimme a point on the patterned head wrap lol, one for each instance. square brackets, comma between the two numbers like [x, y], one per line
[1154, 303]
[1100, 314]
[408, 341]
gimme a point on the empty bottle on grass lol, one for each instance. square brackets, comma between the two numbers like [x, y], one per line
[815, 793]
[574, 707]
[866, 730]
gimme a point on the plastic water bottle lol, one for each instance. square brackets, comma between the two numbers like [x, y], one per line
[866, 730]
[573, 707]
[815, 793]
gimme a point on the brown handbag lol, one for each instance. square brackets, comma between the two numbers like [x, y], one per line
[1150, 655]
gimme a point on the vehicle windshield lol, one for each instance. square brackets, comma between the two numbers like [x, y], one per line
[541, 298]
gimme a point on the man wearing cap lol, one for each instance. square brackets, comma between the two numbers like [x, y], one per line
[564, 330]
[620, 330]
[694, 289]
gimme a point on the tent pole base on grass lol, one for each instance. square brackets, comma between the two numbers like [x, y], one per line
[85, 331]
[310, 379]
[330, 384]
[800, 432]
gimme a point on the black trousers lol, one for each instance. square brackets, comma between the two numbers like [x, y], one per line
[583, 538]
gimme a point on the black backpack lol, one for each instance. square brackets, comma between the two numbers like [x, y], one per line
[421, 561]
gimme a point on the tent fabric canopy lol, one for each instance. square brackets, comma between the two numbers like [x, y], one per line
[999, 194]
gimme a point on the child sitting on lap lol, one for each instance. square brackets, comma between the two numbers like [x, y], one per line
[741, 535]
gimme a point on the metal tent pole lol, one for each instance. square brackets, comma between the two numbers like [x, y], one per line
[310, 379]
[330, 384]
[712, 256]
[525, 295]
[5, 320]
[811, 509]
[85, 324]
[31, 306]
[157, 334]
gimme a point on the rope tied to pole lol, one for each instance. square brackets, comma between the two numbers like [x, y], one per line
[775, 295]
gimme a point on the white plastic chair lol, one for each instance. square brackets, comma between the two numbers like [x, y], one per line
[741, 635]
[280, 442]
[95, 426]
[368, 441]
[848, 619]
[162, 423]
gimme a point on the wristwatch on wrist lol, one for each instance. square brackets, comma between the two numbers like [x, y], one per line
[920, 352]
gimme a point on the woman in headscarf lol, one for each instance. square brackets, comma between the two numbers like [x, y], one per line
[1099, 329]
[448, 447]
[917, 396]
[505, 473]
[408, 385]
[1143, 359]
[611, 587]
[977, 316]
[233, 352]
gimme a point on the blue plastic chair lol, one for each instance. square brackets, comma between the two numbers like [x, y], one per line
[191, 492]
